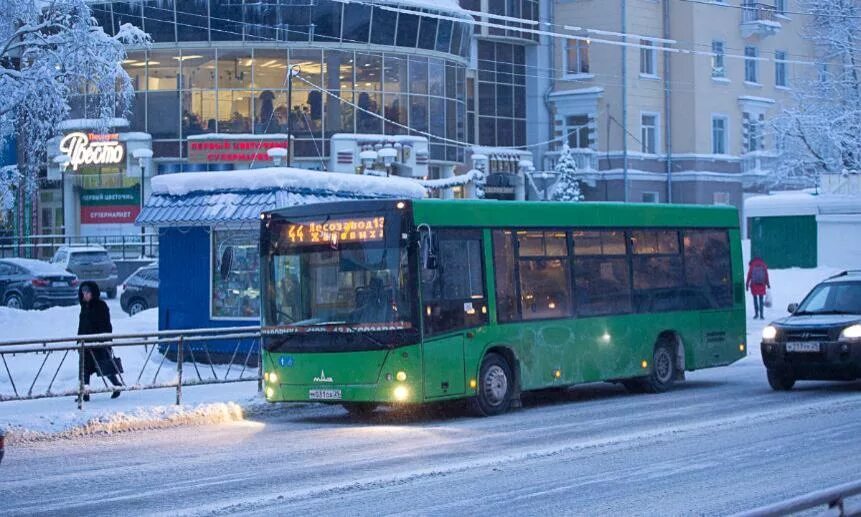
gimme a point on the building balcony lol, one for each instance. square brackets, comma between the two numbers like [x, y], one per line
[758, 19]
[586, 159]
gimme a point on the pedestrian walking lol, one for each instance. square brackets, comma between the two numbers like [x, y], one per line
[95, 318]
[757, 283]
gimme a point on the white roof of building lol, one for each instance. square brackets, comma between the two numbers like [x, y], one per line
[800, 202]
[282, 178]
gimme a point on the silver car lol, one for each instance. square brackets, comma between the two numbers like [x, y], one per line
[89, 263]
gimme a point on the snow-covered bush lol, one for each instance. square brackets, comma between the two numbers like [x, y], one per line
[567, 187]
[50, 51]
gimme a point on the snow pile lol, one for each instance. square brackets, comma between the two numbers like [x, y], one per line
[800, 202]
[284, 178]
[71, 422]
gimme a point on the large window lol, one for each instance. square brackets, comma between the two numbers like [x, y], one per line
[578, 132]
[719, 129]
[751, 64]
[649, 133]
[648, 58]
[543, 271]
[577, 57]
[718, 56]
[657, 270]
[235, 274]
[780, 68]
[453, 291]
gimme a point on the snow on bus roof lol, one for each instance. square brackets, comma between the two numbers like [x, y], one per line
[284, 178]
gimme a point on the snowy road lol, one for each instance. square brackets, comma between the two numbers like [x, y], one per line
[722, 442]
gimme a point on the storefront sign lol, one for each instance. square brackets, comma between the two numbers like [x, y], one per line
[110, 205]
[345, 230]
[92, 149]
[232, 150]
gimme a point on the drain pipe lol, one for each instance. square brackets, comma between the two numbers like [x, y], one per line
[551, 61]
[624, 101]
[668, 114]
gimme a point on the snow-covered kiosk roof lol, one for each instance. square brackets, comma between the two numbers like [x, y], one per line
[207, 198]
[802, 202]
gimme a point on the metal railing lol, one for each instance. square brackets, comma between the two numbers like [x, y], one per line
[757, 12]
[130, 246]
[585, 159]
[36, 369]
[834, 498]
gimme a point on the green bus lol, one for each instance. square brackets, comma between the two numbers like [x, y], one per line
[411, 301]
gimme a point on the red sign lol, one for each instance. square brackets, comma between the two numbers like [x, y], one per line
[232, 151]
[109, 214]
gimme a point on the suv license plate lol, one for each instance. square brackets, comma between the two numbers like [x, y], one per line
[324, 394]
[60, 284]
[803, 347]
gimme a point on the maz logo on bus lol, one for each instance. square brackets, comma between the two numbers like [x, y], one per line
[323, 378]
[346, 230]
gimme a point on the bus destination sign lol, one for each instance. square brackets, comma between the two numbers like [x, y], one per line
[366, 229]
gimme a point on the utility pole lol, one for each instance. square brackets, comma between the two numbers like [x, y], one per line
[624, 100]
[292, 72]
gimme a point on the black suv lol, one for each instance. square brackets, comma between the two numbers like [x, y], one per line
[140, 290]
[821, 339]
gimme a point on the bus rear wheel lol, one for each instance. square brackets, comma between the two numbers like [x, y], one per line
[495, 386]
[360, 409]
[663, 374]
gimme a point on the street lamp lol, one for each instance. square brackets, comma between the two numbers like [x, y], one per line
[368, 159]
[277, 154]
[387, 155]
[292, 71]
[63, 163]
[142, 155]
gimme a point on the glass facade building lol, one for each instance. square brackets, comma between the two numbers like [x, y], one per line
[221, 66]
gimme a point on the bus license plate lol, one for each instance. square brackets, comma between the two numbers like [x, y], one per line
[324, 394]
[802, 347]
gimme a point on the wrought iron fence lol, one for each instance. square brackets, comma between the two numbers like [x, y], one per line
[130, 246]
[46, 368]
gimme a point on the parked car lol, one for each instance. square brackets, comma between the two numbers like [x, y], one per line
[821, 339]
[33, 284]
[90, 264]
[140, 290]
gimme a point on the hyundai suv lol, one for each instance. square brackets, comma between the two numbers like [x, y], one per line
[820, 339]
[90, 264]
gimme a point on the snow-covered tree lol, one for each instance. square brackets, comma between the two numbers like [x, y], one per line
[820, 132]
[50, 51]
[567, 187]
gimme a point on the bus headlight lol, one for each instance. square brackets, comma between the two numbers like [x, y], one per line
[270, 392]
[273, 377]
[401, 376]
[769, 333]
[401, 393]
[852, 333]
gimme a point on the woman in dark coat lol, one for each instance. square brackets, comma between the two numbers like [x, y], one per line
[95, 318]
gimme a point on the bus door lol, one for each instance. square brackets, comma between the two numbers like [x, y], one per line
[454, 304]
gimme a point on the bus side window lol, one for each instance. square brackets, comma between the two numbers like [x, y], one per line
[602, 283]
[453, 293]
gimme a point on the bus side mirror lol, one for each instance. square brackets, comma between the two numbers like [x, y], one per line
[792, 308]
[428, 249]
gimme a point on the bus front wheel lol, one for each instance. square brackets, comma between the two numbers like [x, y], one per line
[495, 386]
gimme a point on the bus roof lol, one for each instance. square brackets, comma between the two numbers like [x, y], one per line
[555, 214]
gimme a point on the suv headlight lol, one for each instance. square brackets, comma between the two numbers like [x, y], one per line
[851, 333]
[769, 333]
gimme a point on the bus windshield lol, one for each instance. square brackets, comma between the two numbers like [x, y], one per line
[329, 275]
